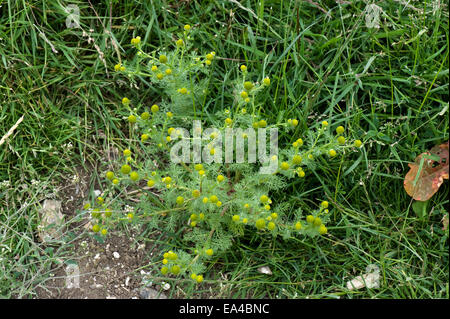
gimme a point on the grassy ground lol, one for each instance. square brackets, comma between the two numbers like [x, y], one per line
[389, 85]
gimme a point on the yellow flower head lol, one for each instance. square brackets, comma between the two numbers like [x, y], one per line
[340, 130]
[126, 152]
[284, 166]
[297, 159]
[132, 118]
[209, 252]
[180, 200]
[125, 101]
[322, 230]
[341, 140]
[262, 123]
[260, 223]
[248, 85]
[136, 41]
[264, 199]
[155, 108]
[134, 176]
[162, 58]
[110, 175]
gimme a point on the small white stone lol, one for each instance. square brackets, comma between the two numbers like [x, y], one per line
[96, 286]
[371, 279]
[165, 285]
[116, 255]
[265, 270]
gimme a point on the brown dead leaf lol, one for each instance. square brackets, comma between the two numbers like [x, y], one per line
[431, 176]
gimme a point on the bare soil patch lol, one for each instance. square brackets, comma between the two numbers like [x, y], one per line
[112, 269]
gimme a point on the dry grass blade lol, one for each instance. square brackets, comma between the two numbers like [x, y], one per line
[11, 130]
